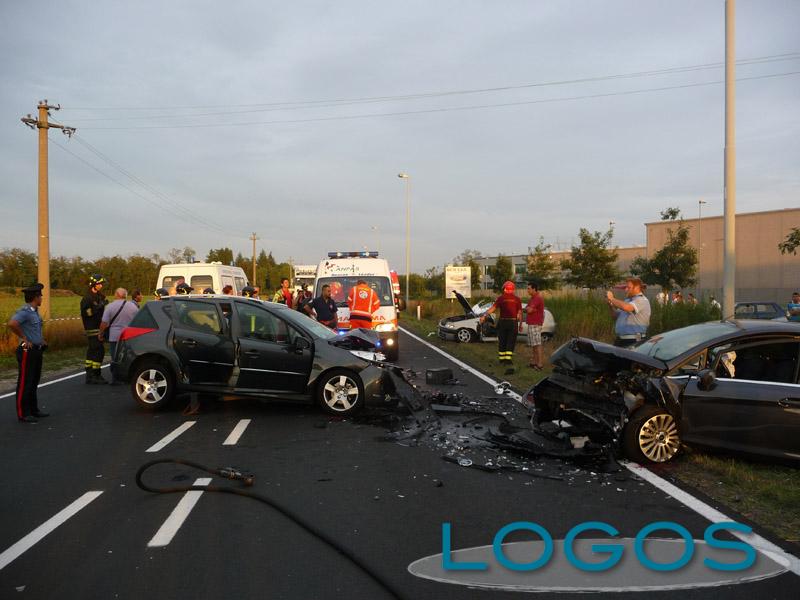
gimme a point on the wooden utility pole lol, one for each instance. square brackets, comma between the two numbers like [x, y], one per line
[254, 238]
[43, 125]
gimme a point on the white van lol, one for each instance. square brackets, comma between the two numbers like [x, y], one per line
[341, 271]
[200, 276]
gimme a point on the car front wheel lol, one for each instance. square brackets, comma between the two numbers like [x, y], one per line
[153, 385]
[652, 435]
[340, 392]
[465, 336]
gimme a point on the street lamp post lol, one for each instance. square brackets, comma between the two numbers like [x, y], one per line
[407, 177]
[699, 241]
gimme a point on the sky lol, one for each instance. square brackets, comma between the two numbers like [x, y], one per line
[200, 122]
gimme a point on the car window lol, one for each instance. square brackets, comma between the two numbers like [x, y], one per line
[239, 284]
[691, 366]
[202, 316]
[341, 285]
[172, 280]
[774, 362]
[258, 323]
[201, 282]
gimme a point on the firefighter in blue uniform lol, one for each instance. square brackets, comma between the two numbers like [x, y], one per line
[27, 326]
[92, 306]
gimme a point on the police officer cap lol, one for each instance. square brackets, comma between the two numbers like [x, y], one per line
[36, 288]
[161, 293]
[183, 288]
[96, 278]
[248, 291]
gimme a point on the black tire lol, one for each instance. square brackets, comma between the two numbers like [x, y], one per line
[340, 392]
[153, 385]
[652, 435]
[466, 336]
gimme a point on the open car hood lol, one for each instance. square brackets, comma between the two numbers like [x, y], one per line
[357, 339]
[464, 304]
[589, 356]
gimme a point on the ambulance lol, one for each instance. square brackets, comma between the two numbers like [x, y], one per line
[341, 271]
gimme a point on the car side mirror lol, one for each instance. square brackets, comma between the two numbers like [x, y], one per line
[401, 304]
[706, 380]
[301, 344]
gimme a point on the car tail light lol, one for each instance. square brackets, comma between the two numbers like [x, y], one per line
[131, 332]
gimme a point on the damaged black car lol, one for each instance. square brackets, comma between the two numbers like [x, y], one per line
[729, 385]
[226, 345]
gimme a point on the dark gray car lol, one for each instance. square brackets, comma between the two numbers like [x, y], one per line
[243, 346]
[732, 385]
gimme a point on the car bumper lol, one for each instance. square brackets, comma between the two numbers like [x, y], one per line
[448, 334]
[377, 384]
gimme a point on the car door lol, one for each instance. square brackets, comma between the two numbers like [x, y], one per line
[757, 409]
[202, 342]
[269, 357]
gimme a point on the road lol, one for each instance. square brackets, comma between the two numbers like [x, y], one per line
[385, 501]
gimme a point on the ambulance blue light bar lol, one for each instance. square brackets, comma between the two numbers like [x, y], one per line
[371, 254]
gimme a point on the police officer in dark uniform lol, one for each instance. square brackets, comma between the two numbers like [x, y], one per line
[183, 289]
[249, 291]
[161, 293]
[92, 306]
[27, 326]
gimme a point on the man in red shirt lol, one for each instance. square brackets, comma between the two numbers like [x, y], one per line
[534, 317]
[510, 318]
[362, 302]
[284, 294]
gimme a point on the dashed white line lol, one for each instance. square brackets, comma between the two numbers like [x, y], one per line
[46, 383]
[170, 437]
[179, 514]
[45, 528]
[756, 541]
[237, 432]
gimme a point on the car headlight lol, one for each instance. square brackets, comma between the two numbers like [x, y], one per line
[450, 325]
[371, 356]
[385, 327]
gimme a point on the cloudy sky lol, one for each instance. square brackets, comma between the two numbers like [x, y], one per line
[199, 122]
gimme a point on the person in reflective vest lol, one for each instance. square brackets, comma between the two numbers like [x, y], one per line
[362, 302]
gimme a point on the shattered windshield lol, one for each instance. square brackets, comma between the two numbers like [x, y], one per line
[672, 344]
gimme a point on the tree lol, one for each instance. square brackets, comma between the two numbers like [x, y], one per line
[791, 243]
[434, 281]
[592, 264]
[671, 213]
[468, 259]
[223, 255]
[675, 264]
[543, 268]
[18, 267]
[178, 255]
[501, 272]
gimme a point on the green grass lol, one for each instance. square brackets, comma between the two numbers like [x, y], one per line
[60, 307]
[54, 360]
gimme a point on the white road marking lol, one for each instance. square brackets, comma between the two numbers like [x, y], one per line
[463, 365]
[179, 514]
[712, 514]
[237, 432]
[756, 541]
[48, 526]
[170, 437]
[52, 382]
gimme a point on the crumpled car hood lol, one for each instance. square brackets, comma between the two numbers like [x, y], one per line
[582, 355]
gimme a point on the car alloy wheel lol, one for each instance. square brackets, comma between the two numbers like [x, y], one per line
[659, 440]
[152, 385]
[464, 335]
[340, 393]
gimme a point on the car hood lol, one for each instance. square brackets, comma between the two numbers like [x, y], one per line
[357, 339]
[583, 355]
[464, 304]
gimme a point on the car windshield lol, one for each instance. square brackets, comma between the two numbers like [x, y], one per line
[340, 287]
[672, 344]
[307, 324]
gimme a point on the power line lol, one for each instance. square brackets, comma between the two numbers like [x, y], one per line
[186, 211]
[346, 101]
[166, 208]
[440, 110]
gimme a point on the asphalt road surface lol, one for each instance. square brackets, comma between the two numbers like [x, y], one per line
[384, 500]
